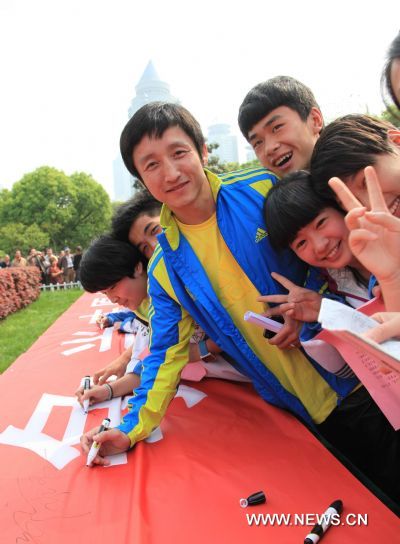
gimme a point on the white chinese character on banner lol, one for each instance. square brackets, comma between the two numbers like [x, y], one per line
[86, 341]
[61, 452]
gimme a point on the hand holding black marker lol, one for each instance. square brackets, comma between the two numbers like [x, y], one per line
[95, 445]
[86, 386]
[317, 532]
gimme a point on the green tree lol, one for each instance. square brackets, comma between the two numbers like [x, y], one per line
[219, 167]
[5, 198]
[70, 210]
[92, 210]
[255, 163]
[214, 163]
[137, 185]
[391, 115]
[43, 197]
[115, 204]
[17, 236]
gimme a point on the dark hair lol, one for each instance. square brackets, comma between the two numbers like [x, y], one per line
[290, 205]
[106, 262]
[126, 214]
[271, 94]
[386, 82]
[346, 146]
[153, 120]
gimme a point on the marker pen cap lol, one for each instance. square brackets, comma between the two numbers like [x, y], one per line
[84, 380]
[255, 498]
[311, 539]
[105, 424]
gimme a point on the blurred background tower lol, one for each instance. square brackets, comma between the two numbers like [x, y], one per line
[220, 134]
[149, 89]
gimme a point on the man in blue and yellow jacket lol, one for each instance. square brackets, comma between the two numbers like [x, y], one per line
[212, 263]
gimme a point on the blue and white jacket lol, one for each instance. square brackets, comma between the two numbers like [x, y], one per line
[126, 317]
[181, 292]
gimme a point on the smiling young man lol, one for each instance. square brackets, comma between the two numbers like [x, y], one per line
[212, 262]
[282, 121]
[137, 221]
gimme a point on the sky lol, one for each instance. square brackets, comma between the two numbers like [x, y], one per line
[69, 68]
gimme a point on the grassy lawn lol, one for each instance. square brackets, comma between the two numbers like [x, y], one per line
[19, 331]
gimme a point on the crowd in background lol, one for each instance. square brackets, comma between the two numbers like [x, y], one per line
[54, 269]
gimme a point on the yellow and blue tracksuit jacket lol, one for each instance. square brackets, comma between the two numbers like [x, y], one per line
[181, 292]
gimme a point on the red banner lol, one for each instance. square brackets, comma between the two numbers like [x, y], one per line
[218, 443]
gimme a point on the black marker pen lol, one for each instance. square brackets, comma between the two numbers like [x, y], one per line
[95, 445]
[86, 386]
[333, 511]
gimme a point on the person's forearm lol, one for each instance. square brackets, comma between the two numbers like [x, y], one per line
[125, 385]
[123, 360]
[159, 379]
[126, 355]
[172, 329]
